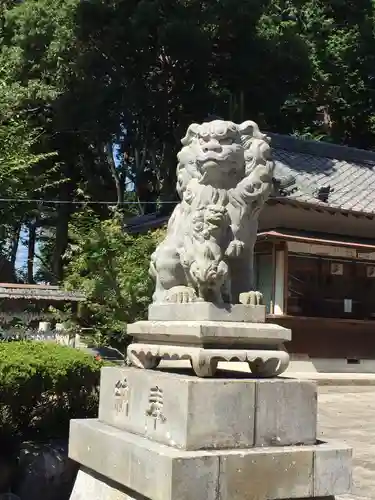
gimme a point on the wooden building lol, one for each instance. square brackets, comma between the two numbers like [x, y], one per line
[315, 255]
[24, 308]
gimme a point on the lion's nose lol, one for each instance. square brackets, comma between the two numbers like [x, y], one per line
[213, 146]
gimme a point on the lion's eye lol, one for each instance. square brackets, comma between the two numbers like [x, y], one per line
[203, 140]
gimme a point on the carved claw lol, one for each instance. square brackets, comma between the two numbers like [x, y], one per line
[146, 361]
[251, 298]
[235, 248]
[181, 295]
[203, 366]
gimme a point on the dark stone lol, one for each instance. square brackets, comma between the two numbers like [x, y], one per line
[7, 470]
[45, 471]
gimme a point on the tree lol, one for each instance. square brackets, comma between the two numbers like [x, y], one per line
[105, 79]
[22, 169]
[111, 267]
[112, 86]
[339, 101]
[37, 57]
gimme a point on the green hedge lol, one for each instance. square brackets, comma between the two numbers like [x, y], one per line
[42, 387]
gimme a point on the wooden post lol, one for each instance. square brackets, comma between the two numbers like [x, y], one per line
[286, 281]
[279, 283]
[272, 304]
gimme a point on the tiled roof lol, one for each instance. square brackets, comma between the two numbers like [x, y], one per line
[349, 172]
[142, 223]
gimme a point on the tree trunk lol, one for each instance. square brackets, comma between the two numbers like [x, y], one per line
[31, 252]
[64, 212]
[61, 243]
[116, 176]
[14, 245]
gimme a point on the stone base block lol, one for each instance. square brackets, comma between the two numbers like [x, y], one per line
[189, 413]
[204, 360]
[160, 472]
[210, 333]
[92, 486]
[206, 311]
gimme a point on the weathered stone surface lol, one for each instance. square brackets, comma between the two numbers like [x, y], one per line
[206, 311]
[286, 412]
[269, 473]
[332, 470]
[154, 470]
[286, 472]
[161, 472]
[210, 332]
[92, 486]
[45, 471]
[277, 412]
[190, 413]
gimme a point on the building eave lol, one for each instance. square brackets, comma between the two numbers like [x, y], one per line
[44, 293]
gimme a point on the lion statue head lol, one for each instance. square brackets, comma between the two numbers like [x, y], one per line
[220, 153]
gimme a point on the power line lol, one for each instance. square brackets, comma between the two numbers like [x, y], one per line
[69, 202]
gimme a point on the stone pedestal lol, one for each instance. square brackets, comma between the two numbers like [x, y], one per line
[167, 436]
[206, 334]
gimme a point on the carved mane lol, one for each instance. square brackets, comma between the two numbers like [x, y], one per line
[254, 142]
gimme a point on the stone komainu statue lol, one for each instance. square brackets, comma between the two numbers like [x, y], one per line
[224, 176]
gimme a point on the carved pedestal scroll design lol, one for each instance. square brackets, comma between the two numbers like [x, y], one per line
[262, 362]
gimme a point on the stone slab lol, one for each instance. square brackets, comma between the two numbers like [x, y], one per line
[286, 412]
[190, 413]
[330, 469]
[161, 472]
[179, 410]
[275, 474]
[154, 470]
[206, 311]
[92, 486]
[209, 332]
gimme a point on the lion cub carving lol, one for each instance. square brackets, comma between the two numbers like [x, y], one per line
[224, 177]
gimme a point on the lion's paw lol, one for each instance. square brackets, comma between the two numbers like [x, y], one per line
[181, 295]
[235, 249]
[252, 298]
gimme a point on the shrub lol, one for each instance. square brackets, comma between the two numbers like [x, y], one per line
[42, 387]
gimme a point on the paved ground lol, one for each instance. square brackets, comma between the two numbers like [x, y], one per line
[348, 414]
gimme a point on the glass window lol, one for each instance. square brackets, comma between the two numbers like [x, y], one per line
[264, 278]
[321, 287]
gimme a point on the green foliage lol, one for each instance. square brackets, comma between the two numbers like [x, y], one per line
[42, 387]
[111, 267]
[94, 80]
[24, 166]
[339, 36]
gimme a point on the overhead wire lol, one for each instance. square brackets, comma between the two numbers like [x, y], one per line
[96, 202]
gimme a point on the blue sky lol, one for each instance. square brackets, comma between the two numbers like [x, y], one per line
[22, 252]
[22, 249]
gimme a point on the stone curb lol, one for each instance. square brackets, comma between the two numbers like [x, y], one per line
[321, 379]
[334, 380]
